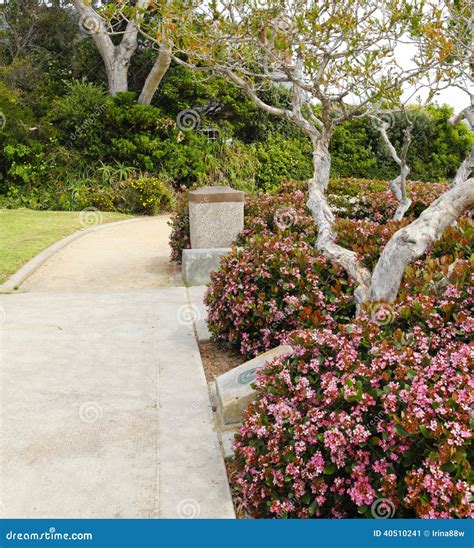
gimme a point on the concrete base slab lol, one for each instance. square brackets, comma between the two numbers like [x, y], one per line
[197, 264]
[227, 438]
[196, 298]
[234, 390]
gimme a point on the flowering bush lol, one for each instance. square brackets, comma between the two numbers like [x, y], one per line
[275, 286]
[247, 311]
[284, 212]
[354, 423]
[148, 195]
[374, 201]
[366, 238]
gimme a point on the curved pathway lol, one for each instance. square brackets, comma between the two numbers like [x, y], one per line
[122, 256]
[105, 410]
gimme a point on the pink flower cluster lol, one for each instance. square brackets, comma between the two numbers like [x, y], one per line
[353, 416]
[277, 285]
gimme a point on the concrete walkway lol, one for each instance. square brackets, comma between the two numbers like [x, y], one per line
[105, 410]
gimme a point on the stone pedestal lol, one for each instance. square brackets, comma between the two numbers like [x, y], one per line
[216, 216]
[197, 264]
[234, 391]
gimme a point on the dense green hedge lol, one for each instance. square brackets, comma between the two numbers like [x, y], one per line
[47, 154]
[62, 132]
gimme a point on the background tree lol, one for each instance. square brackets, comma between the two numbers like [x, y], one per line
[114, 29]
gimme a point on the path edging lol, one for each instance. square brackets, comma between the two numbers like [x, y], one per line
[16, 279]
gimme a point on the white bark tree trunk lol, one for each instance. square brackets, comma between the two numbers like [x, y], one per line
[324, 219]
[155, 76]
[117, 75]
[398, 185]
[117, 57]
[407, 245]
[412, 241]
[465, 169]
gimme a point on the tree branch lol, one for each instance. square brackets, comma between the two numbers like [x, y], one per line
[412, 241]
[155, 76]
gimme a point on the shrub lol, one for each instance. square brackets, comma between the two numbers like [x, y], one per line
[148, 195]
[367, 205]
[275, 286]
[355, 421]
[179, 223]
[281, 159]
[373, 199]
[143, 195]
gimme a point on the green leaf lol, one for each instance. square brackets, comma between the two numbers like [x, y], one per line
[424, 431]
[329, 469]
[306, 498]
[400, 430]
[312, 508]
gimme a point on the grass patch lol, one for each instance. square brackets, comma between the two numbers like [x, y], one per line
[24, 232]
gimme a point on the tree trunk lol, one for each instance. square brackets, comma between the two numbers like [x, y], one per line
[412, 241]
[465, 169]
[324, 219]
[155, 76]
[321, 162]
[398, 185]
[116, 57]
[399, 189]
[117, 76]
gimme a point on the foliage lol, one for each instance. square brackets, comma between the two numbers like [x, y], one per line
[179, 237]
[277, 285]
[245, 310]
[143, 195]
[148, 195]
[284, 212]
[282, 159]
[436, 150]
[61, 128]
[361, 422]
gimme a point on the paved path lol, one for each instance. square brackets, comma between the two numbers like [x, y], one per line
[122, 256]
[104, 406]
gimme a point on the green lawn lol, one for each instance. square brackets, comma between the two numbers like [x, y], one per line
[24, 232]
